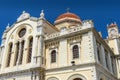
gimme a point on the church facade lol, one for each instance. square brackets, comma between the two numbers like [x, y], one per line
[71, 49]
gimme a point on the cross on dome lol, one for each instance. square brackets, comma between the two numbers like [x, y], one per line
[68, 9]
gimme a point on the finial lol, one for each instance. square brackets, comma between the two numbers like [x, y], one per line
[68, 9]
[23, 12]
[8, 26]
[115, 23]
[42, 11]
[42, 14]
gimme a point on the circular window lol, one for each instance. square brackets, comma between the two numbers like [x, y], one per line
[22, 32]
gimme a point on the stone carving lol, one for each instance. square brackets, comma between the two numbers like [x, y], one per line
[42, 14]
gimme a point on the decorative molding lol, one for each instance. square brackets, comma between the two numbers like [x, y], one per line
[23, 16]
[22, 71]
[74, 31]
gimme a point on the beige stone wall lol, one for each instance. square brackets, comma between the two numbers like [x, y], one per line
[85, 73]
[104, 74]
[64, 50]
[113, 43]
[68, 25]
[16, 77]
[12, 36]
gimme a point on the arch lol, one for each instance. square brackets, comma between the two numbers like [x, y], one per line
[76, 77]
[53, 78]
[75, 51]
[53, 56]
[101, 77]
[18, 28]
[30, 45]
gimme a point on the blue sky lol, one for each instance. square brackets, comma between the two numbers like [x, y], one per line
[102, 12]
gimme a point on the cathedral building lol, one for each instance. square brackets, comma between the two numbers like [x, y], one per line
[70, 49]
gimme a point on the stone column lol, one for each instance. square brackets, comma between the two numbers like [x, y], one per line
[40, 50]
[35, 50]
[18, 60]
[109, 62]
[103, 56]
[2, 62]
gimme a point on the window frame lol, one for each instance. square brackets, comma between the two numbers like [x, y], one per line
[75, 52]
[53, 57]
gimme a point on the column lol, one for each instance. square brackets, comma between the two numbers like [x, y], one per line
[62, 53]
[40, 49]
[103, 56]
[18, 60]
[109, 62]
[35, 50]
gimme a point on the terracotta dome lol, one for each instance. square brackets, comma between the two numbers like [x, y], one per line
[112, 25]
[69, 15]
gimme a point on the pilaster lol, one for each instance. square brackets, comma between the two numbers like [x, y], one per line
[103, 56]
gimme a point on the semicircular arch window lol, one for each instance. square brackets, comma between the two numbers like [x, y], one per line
[22, 32]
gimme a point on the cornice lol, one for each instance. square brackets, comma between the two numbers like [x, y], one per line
[83, 65]
[104, 70]
[21, 71]
[68, 33]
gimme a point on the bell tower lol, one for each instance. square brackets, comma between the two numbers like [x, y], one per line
[113, 31]
[114, 43]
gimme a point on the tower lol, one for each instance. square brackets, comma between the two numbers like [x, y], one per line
[114, 43]
[113, 31]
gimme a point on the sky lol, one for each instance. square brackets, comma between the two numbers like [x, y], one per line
[101, 12]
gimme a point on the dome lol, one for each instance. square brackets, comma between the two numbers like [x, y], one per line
[68, 16]
[112, 25]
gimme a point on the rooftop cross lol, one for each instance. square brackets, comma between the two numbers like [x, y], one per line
[68, 9]
[23, 12]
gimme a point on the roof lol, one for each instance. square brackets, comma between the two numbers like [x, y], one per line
[67, 16]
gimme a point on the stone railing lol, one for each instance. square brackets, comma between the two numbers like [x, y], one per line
[65, 32]
[85, 25]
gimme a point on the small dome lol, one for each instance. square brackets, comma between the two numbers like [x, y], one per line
[112, 25]
[68, 16]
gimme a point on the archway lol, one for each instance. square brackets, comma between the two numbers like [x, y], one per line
[52, 78]
[77, 79]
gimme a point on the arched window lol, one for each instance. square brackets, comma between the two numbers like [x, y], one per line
[53, 56]
[16, 53]
[77, 79]
[21, 52]
[75, 51]
[30, 49]
[101, 79]
[9, 54]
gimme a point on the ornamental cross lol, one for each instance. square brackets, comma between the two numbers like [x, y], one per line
[68, 9]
